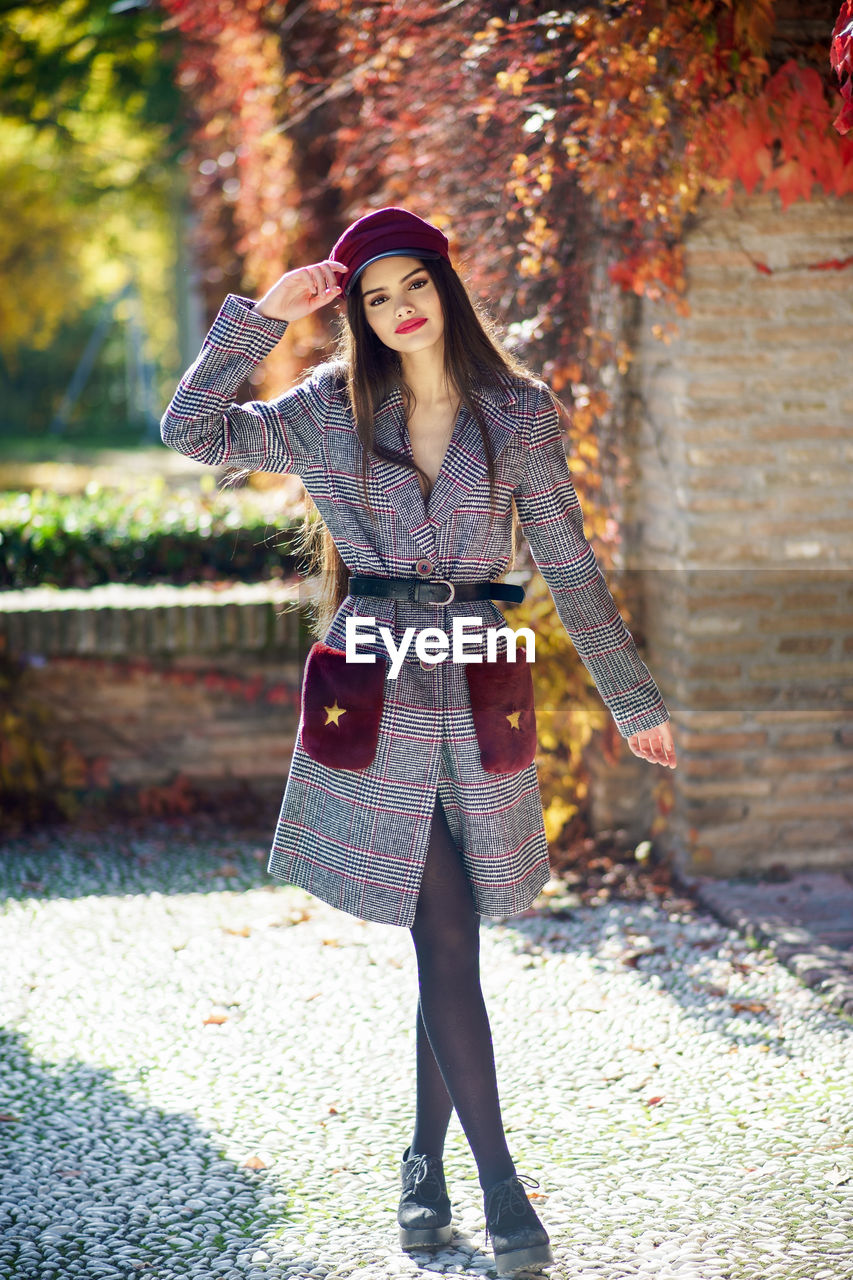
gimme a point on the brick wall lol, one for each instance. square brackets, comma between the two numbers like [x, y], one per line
[740, 523]
[176, 688]
[141, 723]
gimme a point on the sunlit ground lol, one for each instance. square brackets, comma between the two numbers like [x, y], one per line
[207, 1073]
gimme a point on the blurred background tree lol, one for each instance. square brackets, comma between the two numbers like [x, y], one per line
[90, 127]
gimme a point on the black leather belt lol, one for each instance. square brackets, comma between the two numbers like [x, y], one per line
[433, 591]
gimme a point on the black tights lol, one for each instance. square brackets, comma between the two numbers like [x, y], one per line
[455, 1057]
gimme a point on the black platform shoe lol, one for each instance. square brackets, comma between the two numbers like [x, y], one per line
[424, 1214]
[518, 1238]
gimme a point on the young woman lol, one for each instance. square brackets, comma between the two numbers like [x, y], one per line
[413, 797]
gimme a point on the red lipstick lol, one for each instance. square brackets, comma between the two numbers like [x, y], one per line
[409, 326]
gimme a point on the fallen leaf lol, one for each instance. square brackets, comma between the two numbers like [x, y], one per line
[652, 1102]
[631, 957]
[245, 932]
[215, 1018]
[227, 869]
[254, 1162]
[749, 1006]
[296, 917]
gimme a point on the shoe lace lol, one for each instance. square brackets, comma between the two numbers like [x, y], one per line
[425, 1178]
[507, 1196]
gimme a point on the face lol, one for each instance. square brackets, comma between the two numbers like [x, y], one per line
[400, 291]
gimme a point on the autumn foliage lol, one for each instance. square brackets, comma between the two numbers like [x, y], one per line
[549, 145]
[841, 60]
[501, 126]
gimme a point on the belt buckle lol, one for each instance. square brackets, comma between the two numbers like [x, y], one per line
[452, 595]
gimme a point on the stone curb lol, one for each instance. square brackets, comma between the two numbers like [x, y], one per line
[753, 909]
[122, 620]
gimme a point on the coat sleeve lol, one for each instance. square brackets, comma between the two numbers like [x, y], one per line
[203, 421]
[551, 517]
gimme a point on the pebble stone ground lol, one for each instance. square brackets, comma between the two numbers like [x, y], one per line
[207, 1074]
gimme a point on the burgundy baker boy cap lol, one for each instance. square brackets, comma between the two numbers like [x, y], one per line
[382, 234]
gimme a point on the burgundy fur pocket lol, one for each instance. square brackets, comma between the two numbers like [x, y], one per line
[341, 708]
[503, 710]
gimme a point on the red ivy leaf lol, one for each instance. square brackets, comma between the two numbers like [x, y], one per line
[832, 264]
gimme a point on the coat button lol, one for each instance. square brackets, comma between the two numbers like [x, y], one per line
[428, 666]
[424, 568]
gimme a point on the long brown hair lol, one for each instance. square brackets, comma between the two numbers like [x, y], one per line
[474, 358]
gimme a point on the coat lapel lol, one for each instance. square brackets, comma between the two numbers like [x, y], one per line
[461, 471]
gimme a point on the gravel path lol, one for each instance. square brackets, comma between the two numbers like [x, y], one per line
[206, 1074]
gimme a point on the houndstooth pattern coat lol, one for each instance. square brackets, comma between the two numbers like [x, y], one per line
[358, 838]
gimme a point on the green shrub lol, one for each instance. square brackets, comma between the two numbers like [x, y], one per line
[150, 535]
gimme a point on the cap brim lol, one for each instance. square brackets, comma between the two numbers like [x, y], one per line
[390, 253]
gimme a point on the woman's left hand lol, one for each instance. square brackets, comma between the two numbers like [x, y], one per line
[655, 745]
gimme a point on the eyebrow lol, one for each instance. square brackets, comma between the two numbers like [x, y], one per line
[365, 292]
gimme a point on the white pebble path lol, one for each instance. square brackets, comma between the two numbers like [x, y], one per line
[684, 1101]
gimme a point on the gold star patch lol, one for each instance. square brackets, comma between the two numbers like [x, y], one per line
[334, 713]
[513, 719]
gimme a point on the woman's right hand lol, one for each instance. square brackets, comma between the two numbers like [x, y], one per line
[297, 293]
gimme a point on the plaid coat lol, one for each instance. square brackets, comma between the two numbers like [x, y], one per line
[358, 838]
